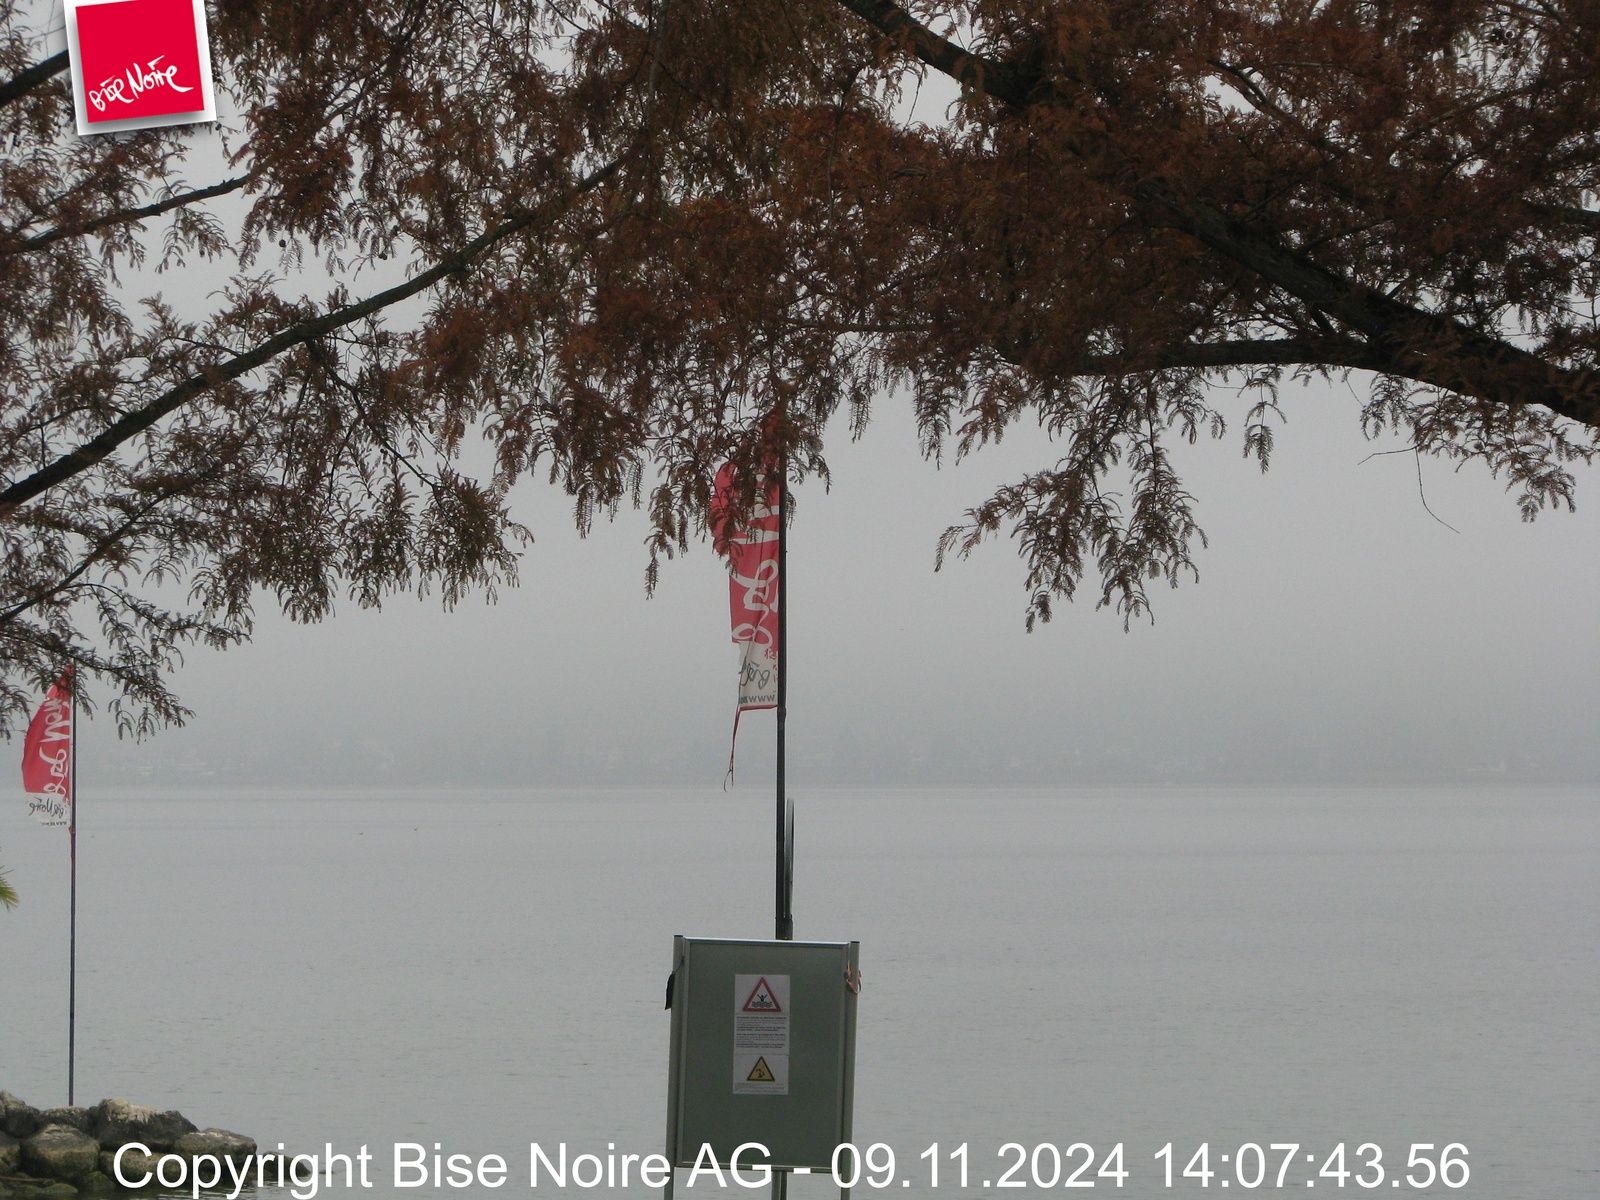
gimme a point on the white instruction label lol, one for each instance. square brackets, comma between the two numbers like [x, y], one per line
[761, 1035]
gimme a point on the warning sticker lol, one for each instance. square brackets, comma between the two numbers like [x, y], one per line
[760, 1074]
[762, 999]
[761, 1012]
[761, 1015]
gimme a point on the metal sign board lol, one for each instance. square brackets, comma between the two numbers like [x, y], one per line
[763, 1050]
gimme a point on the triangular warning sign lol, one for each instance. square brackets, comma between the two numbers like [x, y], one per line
[761, 1073]
[762, 998]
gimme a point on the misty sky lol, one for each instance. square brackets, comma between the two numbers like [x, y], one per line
[1338, 632]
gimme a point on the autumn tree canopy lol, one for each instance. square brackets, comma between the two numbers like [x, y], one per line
[607, 239]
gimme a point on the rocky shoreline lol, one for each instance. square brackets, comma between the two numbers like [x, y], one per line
[60, 1153]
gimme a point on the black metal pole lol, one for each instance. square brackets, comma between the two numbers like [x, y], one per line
[72, 933]
[785, 918]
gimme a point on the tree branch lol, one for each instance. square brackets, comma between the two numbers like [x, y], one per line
[26, 80]
[1430, 348]
[1242, 352]
[155, 209]
[109, 540]
[1000, 80]
[1236, 352]
[1587, 218]
[133, 423]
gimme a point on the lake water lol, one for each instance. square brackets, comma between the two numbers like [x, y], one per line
[485, 969]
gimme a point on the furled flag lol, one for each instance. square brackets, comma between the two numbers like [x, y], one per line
[47, 755]
[752, 554]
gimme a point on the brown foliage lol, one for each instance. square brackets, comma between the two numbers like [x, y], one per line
[609, 238]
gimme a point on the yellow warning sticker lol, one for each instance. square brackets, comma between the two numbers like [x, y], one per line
[761, 1073]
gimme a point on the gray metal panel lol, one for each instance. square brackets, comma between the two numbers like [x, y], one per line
[802, 1128]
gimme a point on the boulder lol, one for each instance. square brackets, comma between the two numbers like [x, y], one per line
[117, 1122]
[10, 1153]
[18, 1119]
[20, 1187]
[134, 1164]
[217, 1142]
[60, 1152]
[78, 1118]
[96, 1183]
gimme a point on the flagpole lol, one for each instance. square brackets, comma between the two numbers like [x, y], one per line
[72, 935]
[784, 917]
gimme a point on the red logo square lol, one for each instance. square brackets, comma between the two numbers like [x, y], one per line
[139, 58]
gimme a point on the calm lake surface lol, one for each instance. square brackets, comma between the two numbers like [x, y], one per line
[486, 969]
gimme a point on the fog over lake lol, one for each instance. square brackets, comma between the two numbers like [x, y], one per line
[1339, 632]
[484, 969]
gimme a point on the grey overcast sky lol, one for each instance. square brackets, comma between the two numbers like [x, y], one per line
[1338, 633]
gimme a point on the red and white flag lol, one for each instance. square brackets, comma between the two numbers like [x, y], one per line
[47, 756]
[752, 554]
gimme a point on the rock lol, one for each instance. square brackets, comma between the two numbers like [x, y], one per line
[117, 1122]
[10, 1153]
[60, 1152]
[18, 1119]
[21, 1187]
[135, 1165]
[218, 1142]
[78, 1118]
[96, 1183]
